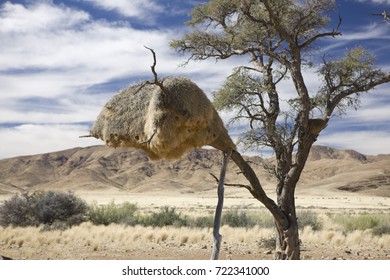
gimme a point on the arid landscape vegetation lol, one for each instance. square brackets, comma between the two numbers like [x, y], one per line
[343, 203]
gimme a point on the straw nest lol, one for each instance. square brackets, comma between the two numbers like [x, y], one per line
[164, 120]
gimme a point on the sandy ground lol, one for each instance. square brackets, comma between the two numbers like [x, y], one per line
[207, 202]
[192, 252]
[183, 247]
[81, 247]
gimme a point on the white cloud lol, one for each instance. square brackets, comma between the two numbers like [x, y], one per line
[141, 9]
[34, 139]
[365, 142]
[56, 54]
[361, 35]
[369, 32]
[66, 59]
[376, 1]
[41, 16]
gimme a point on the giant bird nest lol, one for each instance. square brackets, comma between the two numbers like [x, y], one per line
[165, 119]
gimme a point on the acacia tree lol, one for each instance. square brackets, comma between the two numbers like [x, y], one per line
[279, 39]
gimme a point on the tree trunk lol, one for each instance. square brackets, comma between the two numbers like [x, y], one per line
[287, 240]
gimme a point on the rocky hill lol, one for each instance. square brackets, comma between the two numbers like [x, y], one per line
[125, 169]
[323, 152]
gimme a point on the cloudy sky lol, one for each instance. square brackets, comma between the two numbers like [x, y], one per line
[60, 62]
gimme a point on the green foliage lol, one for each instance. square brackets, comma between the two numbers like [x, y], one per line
[60, 207]
[18, 211]
[237, 218]
[308, 218]
[352, 73]
[379, 223]
[263, 219]
[202, 221]
[55, 210]
[239, 90]
[220, 27]
[382, 228]
[167, 216]
[58, 211]
[125, 213]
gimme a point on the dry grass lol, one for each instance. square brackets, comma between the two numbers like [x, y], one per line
[88, 241]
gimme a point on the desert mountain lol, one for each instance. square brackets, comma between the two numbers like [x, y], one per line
[125, 169]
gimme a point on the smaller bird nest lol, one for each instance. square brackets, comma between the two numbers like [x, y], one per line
[165, 119]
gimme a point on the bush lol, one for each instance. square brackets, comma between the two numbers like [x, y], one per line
[61, 210]
[382, 228]
[309, 218]
[202, 222]
[237, 218]
[379, 223]
[361, 222]
[17, 211]
[263, 219]
[166, 217]
[112, 213]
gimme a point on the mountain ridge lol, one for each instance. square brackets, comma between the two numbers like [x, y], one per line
[126, 169]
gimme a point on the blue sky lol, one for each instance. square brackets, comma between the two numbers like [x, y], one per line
[61, 61]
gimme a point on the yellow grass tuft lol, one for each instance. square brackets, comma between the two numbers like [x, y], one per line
[90, 241]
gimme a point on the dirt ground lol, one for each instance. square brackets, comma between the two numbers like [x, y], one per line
[200, 251]
[108, 243]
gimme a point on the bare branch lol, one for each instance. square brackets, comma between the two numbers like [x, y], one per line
[156, 80]
[335, 32]
[355, 89]
[231, 185]
[154, 65]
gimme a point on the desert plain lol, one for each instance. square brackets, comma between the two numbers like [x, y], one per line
[334, 182]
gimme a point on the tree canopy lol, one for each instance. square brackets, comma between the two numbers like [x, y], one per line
[281, 40]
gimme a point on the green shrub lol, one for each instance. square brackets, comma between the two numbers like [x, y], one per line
[167, 216]
[382, 228]
[263, 219]
[60, 207]
[308, 218]
[202, 222]
[378, 223]
[17, 211]
[125, 213]
[359, 222]
[237, 218]
[49, 208]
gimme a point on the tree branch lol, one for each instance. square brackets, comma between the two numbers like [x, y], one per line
[257, 190]
[156, 80]
[355, 89]
[153, 67]
[335, 32]
[231, 185]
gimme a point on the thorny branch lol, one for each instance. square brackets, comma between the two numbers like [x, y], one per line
[153, 67]
[230, 185]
